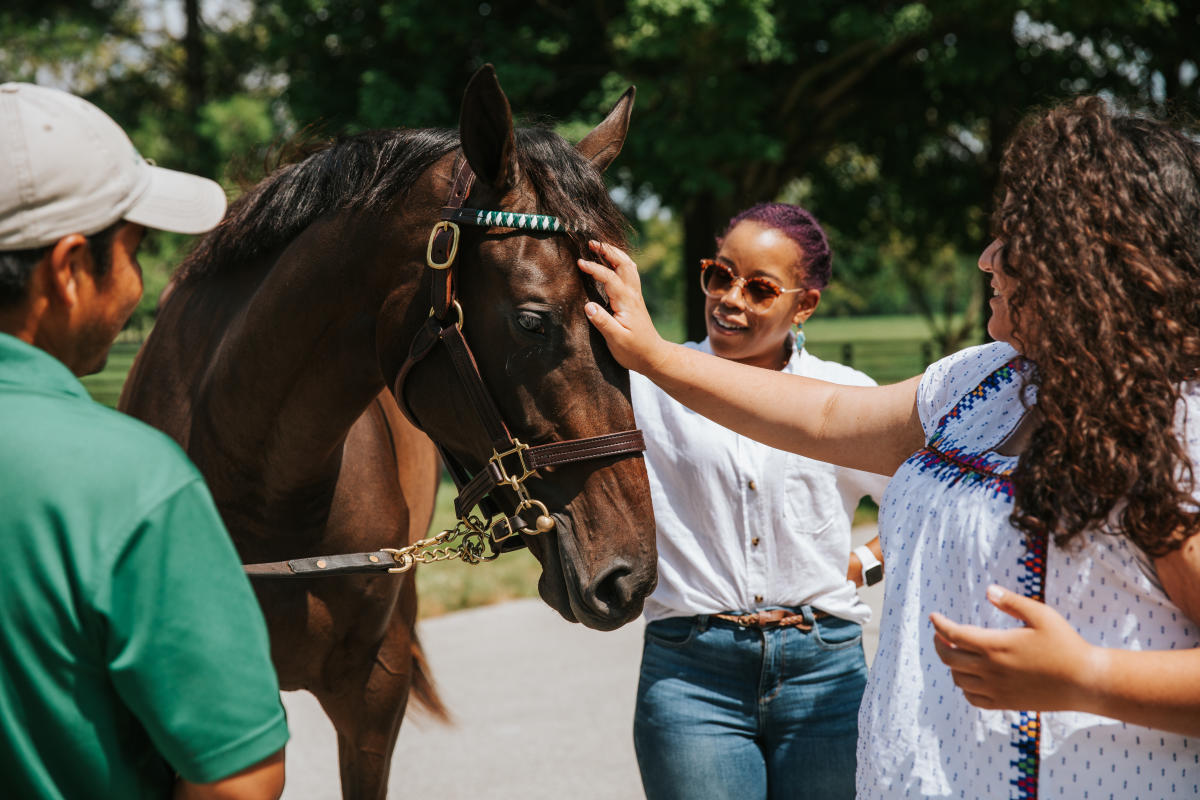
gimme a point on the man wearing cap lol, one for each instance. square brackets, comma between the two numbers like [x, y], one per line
[134, 659]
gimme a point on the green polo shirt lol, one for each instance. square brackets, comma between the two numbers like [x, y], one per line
[131, 644]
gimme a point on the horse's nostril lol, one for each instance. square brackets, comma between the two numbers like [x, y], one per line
[614, 590]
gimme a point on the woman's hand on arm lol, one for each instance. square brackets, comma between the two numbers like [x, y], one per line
[1047, 666]
[869, 428]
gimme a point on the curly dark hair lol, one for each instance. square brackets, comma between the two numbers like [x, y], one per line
[1099, 212]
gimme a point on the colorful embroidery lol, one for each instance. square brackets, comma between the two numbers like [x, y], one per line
[987, 386]
[955, 465]
[949, 463]
[1026, 734]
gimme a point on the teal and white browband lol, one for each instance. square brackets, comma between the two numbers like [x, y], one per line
[504, 219]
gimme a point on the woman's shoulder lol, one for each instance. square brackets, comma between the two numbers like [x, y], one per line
[946, 381]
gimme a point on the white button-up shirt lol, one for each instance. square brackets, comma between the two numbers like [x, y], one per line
[742, 526]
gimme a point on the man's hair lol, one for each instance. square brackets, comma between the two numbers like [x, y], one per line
[16, 266]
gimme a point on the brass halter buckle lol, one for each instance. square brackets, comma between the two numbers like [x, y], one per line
[433, 234]
[545, 522]
[506, 477]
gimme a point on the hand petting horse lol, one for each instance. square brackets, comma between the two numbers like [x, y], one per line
[287, 338]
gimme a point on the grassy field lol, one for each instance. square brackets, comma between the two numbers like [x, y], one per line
[889, 349]
[452, 585]
[886, 348]
[105, 386]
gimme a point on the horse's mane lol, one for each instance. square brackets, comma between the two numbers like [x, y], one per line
[367, 171]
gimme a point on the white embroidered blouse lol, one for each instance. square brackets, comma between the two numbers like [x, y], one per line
[946, 536]
[742, 526]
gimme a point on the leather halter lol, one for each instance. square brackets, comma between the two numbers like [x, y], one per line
[512, 461]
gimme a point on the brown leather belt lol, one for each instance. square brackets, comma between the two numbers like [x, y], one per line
[775, 618]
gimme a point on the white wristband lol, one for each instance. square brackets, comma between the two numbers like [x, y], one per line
[872, 568]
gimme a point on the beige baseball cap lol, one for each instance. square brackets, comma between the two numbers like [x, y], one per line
[66, 167]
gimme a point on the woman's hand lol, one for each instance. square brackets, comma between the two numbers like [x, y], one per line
[1044, 666]
[629, 331]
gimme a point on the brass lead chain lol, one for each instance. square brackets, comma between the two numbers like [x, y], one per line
[473, 546]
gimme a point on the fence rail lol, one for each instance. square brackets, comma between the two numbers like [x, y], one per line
[885, 360]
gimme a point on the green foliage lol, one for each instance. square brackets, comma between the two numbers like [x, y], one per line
[657, 250]
[886, 119]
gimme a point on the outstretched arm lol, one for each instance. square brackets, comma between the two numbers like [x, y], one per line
[868, 428]
[1047, 666]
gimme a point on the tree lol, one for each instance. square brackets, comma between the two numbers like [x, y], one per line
[889, 118]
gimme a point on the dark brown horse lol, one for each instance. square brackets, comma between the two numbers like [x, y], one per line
[272, 362]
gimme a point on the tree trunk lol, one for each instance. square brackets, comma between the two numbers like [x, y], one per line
[195, 93]
[700, 221]
[1000, 126]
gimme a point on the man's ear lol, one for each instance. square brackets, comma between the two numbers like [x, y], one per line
[66, 262]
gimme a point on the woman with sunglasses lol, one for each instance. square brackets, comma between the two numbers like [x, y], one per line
[752, 670]
[1042, 526]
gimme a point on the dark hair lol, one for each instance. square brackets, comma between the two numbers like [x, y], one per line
[367, 171]
[569, 187]
[802, 228]
[1099, 217]
[16, 266]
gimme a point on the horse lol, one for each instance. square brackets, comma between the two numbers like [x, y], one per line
[283, 360]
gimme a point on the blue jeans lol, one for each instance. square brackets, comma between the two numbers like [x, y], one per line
[748, 714]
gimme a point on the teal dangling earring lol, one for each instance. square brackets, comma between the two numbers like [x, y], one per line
[798, 332]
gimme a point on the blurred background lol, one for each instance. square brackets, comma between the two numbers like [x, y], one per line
[886, 119]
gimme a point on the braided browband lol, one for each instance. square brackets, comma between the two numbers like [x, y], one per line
[503, 219]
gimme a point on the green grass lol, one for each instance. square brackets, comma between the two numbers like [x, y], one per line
[452, 585]
[105, 386]
[889, 349]
[886, 348]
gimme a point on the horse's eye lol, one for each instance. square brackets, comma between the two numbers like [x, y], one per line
[531, 322]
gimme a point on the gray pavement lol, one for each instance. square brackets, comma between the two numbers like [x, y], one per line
[542, 710]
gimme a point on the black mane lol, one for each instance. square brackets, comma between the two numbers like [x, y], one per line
[367, 171]
[568, 187]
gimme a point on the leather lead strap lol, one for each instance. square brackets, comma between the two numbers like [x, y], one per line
[349, 563]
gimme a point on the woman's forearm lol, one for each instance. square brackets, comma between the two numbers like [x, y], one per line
[1153, 688]
[872, 428]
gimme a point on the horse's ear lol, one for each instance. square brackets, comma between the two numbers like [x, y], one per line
[602, 145]
[486, 128]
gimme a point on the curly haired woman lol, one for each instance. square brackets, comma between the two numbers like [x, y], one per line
[1059, 463]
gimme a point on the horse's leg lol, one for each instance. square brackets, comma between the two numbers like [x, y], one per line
[366, 703]
[367, 677]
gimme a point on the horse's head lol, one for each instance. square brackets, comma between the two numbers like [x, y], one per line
[549, 373]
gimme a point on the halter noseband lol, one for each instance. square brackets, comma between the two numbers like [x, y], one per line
[512, 462]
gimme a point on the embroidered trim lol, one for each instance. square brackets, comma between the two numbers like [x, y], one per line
[1027, 732]
[955, 465]
[989, 385]
[951, 464]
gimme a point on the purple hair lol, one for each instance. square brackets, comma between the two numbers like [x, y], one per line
[799, 226]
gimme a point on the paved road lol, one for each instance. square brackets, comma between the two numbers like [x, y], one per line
[543, 711]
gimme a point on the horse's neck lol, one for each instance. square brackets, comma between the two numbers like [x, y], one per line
[295, 369]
